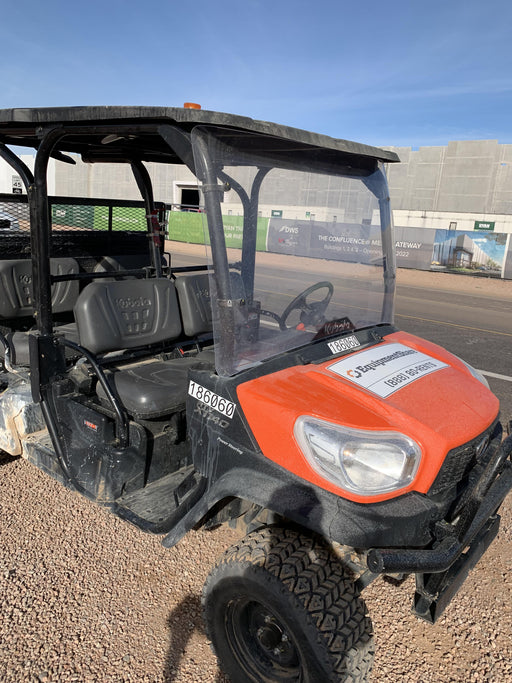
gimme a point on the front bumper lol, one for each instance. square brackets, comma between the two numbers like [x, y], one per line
[441, 569]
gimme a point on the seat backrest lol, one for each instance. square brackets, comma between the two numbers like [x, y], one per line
[195, 301]
[126, 314]
[16, 300]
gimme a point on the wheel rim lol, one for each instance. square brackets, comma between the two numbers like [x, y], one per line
[262, 642]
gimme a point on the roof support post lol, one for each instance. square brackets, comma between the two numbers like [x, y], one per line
[213, 193]
[40, 233]
[155, 236]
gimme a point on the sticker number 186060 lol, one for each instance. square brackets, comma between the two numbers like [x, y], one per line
[221, 405]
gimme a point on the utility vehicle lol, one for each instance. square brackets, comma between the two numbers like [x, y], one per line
[264, 385]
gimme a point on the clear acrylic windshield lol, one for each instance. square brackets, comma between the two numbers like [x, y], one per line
[300, 246]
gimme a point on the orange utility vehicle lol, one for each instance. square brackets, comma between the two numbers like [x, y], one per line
[263, 385]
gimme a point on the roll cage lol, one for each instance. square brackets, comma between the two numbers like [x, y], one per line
[134, 135]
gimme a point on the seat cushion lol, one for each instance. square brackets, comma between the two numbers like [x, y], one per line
[154, 388]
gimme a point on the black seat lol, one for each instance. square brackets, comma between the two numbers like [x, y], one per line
[195, 301]
[20, 342]
[16, 301]
[152, 389]
[127, 314]
[130, 314]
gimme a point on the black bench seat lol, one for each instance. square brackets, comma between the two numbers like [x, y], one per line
[131, 314]
[151, 389]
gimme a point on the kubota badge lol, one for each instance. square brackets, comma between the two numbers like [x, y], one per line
[385, 369]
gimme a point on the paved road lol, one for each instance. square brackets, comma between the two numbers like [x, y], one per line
[476, 328]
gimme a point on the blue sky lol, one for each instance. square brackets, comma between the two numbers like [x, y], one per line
[399, 73]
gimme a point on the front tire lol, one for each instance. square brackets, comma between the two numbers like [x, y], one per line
[279, 606]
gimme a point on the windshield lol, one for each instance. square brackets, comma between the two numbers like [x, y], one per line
[300, 246]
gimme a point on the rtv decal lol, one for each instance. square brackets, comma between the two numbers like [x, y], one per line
[385, 369]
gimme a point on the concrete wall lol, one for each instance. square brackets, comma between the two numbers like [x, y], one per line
[471, 176]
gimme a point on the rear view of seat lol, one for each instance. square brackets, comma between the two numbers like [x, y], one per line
[195, 304]
[16, 299]
[195, 301]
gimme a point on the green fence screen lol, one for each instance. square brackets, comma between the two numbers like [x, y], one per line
[188, 227]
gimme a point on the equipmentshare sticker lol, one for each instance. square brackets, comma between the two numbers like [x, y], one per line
[385, 369]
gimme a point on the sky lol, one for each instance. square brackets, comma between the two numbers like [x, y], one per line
[402, 73]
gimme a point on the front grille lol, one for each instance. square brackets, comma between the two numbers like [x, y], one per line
[461, 461]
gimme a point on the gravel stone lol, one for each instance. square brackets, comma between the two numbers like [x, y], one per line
[87, 597]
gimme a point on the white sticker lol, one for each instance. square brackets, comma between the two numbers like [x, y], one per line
[344, 344]
[221, 405]
[386, 368]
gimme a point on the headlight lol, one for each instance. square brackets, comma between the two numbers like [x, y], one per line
[477, 375]
[360, 461]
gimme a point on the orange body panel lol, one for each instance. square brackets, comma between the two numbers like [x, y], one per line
[440, 411]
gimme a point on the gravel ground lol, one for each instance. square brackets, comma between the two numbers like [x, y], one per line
[86, 597]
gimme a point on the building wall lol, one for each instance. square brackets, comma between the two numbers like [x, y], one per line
[469, 176]
[433, 187]
[7, 173]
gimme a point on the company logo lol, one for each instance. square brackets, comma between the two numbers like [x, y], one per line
[386, 368]
[360, 370]
[289, 229]
[338, 326]
[353, 373]
[208, 414]
[128, 302]
[91, 425]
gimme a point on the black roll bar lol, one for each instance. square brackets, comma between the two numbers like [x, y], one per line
[377, 184]
[250, 227]
[40, 232]
[143, 181]
[17, 164]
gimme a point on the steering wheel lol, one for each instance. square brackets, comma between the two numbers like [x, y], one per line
[311, 313]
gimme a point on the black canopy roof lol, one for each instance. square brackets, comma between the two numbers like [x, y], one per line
[129, 133]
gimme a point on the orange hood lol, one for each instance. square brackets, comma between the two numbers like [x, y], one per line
[439, 404]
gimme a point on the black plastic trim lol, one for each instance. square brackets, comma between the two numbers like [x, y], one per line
[442, 557]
